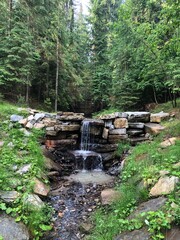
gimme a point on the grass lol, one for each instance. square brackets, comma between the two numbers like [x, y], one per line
[141, 171]
[167, 107]
[17, 151]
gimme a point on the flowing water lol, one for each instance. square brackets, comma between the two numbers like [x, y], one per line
[76, 196]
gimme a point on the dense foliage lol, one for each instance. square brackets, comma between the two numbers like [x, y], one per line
[19, 149]
[39, 51]
[136, 53]
[125, 55]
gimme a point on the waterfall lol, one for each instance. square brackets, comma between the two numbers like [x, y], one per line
[85, 136]
[85, 158]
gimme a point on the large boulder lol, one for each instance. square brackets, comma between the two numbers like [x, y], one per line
[151, 205]
[165, 185]
[11, 230]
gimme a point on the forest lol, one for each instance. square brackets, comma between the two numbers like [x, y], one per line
[124, 54]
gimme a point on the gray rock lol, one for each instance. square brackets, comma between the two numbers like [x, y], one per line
[33, 200]
[136, 125]
[151, 205]
[141, 234]
[116, 138]
[113, 115]
[135, 140]
[120, 131]
[9, 196]
[51, 165]
[68, 128]
[30, 118]
[11, 230]
[134, 132]
[109, 124]
[108, 156]
[138, 116]
[39, 116]
[102, 148]
[16, 118]
[24, 169]
[94, 122]
[50, 129]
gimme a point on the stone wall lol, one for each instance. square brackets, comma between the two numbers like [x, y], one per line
[63, 130]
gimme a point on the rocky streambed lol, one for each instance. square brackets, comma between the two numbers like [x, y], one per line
[73, 199]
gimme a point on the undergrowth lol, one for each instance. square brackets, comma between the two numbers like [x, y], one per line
[141, 171]
[18, 150]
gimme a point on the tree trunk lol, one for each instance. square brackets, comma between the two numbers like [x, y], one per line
[155, 97]
[57, 74]
[27, 90]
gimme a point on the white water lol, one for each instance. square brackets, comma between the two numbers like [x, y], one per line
[85, 152]
[85, 136]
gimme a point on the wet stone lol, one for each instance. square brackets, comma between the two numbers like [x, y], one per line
[73, 203]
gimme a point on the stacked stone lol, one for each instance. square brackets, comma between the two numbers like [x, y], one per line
[134, 126]
[115, 129]
[126, 125]
[64, 132]
[62, 129]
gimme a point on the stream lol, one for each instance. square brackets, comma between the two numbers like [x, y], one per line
[74, 199]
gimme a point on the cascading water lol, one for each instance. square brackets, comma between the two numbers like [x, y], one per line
[85, 136]
[85, 158]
